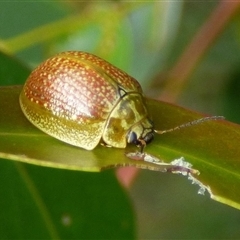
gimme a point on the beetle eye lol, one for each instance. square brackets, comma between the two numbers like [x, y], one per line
[132, 138]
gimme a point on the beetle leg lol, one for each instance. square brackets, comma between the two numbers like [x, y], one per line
[105, 145]
[142, 145]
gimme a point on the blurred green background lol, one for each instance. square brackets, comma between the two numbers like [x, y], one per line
[146, 39]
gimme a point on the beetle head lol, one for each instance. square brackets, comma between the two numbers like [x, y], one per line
[141, 134]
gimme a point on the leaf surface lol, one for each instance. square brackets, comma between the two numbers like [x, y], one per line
[211, 147]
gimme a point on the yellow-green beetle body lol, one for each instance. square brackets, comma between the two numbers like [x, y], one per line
[82, 100]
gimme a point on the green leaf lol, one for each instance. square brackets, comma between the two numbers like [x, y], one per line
[212, 147]
[48, 203]
[21, 141]
[12, 71]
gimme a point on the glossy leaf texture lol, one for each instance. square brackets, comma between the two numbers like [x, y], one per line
[211, 147]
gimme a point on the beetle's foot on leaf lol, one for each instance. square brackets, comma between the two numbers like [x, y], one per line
[105, 145]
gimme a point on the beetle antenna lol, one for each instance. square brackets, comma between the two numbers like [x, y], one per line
[188, 124]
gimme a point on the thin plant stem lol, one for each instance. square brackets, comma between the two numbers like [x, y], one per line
[200, 44]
